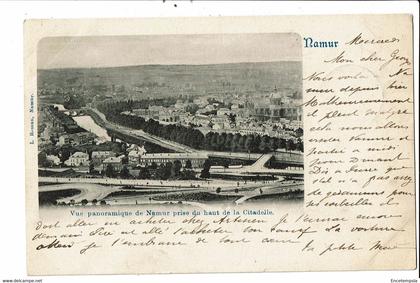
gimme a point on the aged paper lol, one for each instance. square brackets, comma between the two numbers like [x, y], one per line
[219, 144]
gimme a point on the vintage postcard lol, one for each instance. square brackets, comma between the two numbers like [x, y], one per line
[245, 144]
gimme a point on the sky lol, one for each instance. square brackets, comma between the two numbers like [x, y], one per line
[113, 51]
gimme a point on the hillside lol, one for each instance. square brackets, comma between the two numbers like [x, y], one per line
[167, 80]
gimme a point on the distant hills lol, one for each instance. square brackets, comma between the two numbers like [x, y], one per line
[178, 79]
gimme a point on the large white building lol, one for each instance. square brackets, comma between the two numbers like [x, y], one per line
[197, 159]
[276, 107]
[78, 159]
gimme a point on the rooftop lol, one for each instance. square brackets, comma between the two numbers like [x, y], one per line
[112, 160]
[80, 154]
[175, 155]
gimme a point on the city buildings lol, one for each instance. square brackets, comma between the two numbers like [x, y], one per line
[60, 120]
[99, 156]
[115, 162]
[78, 159]
[196, 159]
[276, 107]
[76, 139]
[276, 114]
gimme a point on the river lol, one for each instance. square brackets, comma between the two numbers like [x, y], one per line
[87, 123]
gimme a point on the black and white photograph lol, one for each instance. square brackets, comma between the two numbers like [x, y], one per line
[192, 120]
[189, 141]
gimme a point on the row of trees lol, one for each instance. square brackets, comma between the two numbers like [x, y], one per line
[130, 104]
[248, 143]
[195, 138]
[170, 170]
[82, 202]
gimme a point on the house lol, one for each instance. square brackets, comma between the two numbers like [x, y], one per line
[223, 111]
[135, 153]
[55, 160]
[100, 156]
[76, 139]
[115, 162]
[200, 101]
[220, 122]
[180, 105]
[209, 108]
[201, 119]
[78, 159]
[65, 140]
[84, 138]
[169, 115]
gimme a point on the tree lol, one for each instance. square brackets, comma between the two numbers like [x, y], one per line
[299, 132]
[232, 118]
[205, 173]
[192, 108]
[218, 190]
[221, 142]
[241, 143]
[235, 142]
[65, 154]
[177, 168]
[160, 172]
[73, 102]
[282, 143]
[164, 171]
[273, 143]
[228, 142]
[249, 143]
[53, 140]
[290, 145]
[207, 140]
[84, 202]
[168, 170]
[42, 160]
[214, 141]
[109, 171]
[144, 173]
[264, 146]
[256, 144]
[94, 201]
[188, 164]
[124, 160]
[188, 174]
[299, 145]
[91, 168]
[125, 173]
